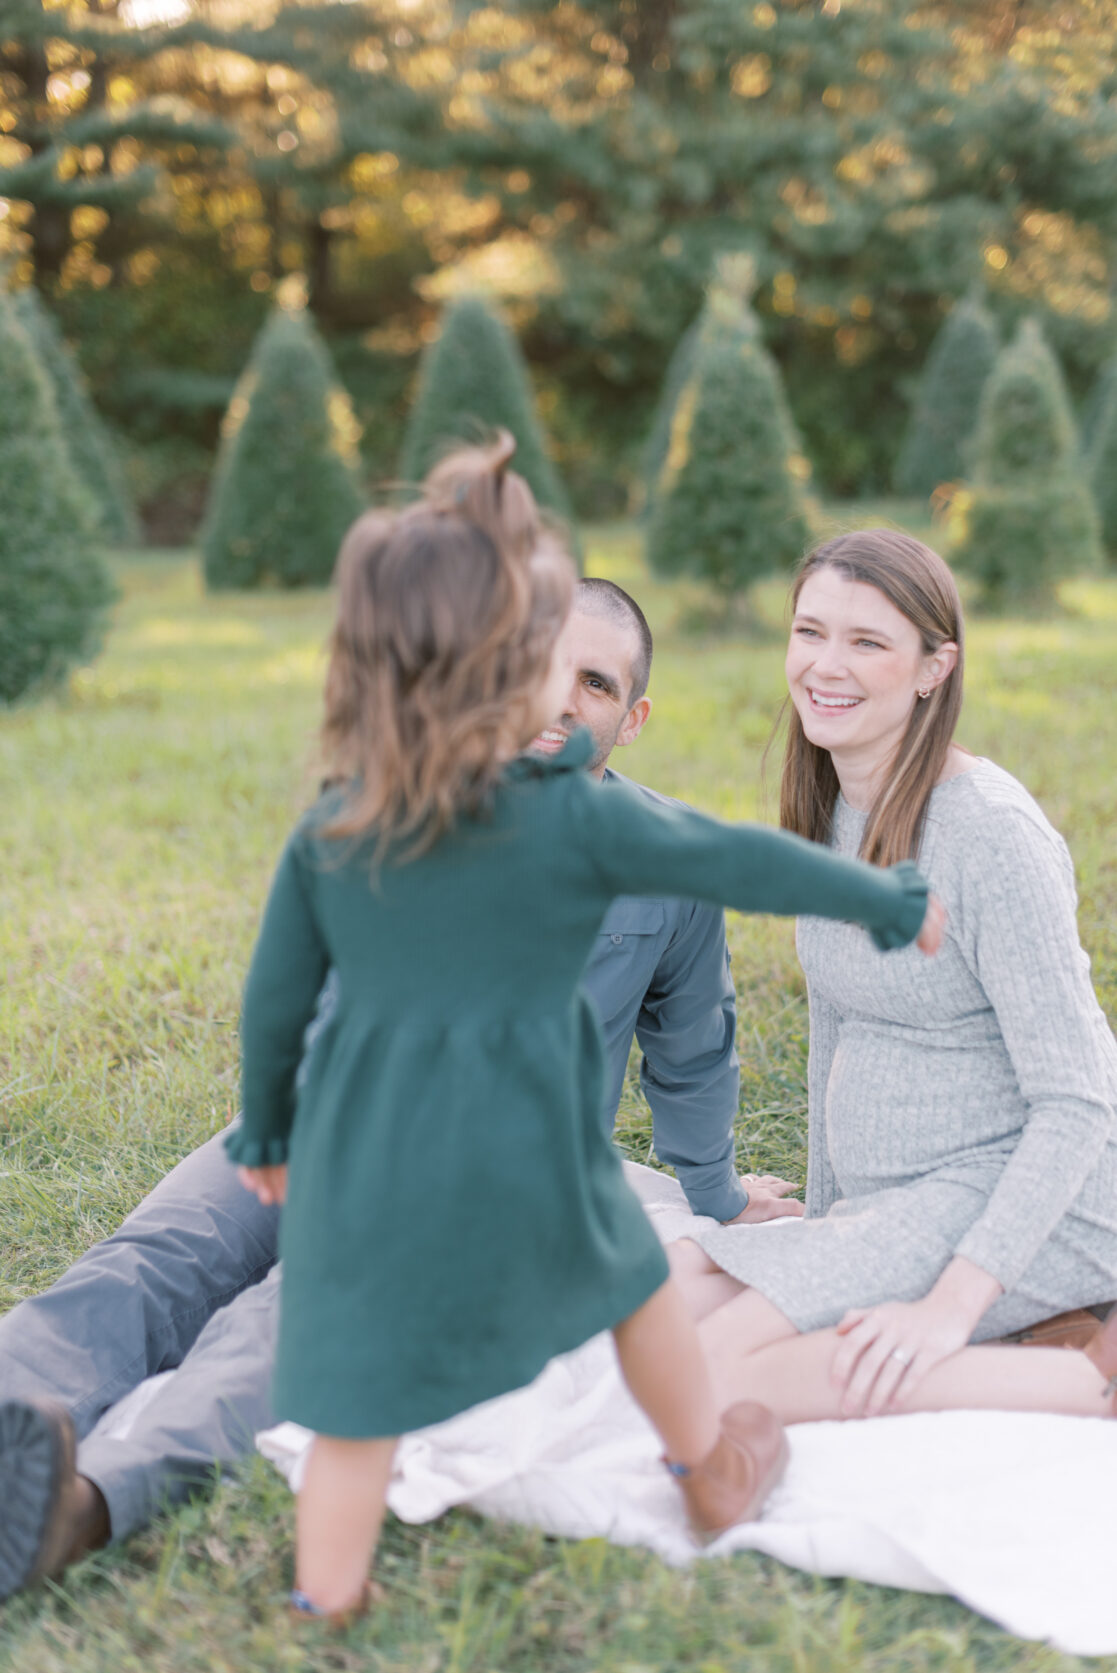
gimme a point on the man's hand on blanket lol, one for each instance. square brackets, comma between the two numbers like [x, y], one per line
[768, 1200]
[269, 1184]
[885, 1352]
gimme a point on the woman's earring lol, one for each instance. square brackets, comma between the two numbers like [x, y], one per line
[923, 695]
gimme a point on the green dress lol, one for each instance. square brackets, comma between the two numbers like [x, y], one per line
[456, 1214]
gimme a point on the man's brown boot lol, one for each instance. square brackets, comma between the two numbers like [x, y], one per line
[49, 1515]
[732, 1482]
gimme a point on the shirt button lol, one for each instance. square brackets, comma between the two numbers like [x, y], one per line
[617, 939]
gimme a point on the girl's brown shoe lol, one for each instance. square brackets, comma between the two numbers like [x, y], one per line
[732, 1482]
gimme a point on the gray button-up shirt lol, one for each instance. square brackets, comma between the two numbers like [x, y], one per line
[660, 970]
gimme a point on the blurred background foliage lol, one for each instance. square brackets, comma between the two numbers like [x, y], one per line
[166, 164]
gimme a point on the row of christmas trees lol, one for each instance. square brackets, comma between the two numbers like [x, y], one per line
[726, 476]
[1039, 496]
[992, 437]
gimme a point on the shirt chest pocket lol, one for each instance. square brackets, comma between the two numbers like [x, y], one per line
[627, 921]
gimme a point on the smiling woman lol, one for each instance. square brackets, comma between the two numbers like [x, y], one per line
[962, 1173]
[874, 672]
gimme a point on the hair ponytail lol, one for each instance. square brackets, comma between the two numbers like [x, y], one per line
[447, 616]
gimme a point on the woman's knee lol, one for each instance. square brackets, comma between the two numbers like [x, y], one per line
[688, 1260]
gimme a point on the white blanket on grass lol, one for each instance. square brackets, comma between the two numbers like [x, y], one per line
[1013, 1513]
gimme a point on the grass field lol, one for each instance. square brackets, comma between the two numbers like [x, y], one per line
[140, 816]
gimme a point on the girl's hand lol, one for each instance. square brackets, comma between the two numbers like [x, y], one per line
[768, 1200]
[885, 1352]
[269, 1184]
[929, 939]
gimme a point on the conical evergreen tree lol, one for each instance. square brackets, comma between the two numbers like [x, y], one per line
[285, 487]
[1029, 517]
[473, 380]
[86, 439]
[729, 503]
[1105, 382]
[54, 587]
[680, 370]
[946, 406]
[1101, 467]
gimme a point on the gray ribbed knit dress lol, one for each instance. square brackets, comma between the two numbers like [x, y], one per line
[965, 1104]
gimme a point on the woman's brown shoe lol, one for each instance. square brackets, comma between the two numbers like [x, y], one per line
[1101, 1350]
[732, 1482]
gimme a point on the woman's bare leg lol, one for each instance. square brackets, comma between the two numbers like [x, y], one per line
[703, 1284]
[755, 1353]
[340, 1509]
[792, 1375]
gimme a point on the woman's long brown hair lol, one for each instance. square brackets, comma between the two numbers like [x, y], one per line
[447, 617]
[917, 581]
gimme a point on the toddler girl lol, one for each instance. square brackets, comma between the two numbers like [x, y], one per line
[455, 1214]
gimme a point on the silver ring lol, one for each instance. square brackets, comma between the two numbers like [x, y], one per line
[905, 1359]
[749, 1178]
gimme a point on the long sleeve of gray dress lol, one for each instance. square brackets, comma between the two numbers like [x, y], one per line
[1019, 936]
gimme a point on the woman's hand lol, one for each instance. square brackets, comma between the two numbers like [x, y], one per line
[929, 939]
[886, 1351]
[269, 1184]
[768, 1200]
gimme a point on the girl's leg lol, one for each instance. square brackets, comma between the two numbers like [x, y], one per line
[340, 1509]
[792, 1376]
[726, 1465]
[664, 1367]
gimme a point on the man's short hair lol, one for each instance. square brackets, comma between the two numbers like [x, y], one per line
[605, 598]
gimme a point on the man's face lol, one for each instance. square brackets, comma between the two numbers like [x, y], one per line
[602, 652]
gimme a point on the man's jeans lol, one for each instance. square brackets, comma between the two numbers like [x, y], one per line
[189, 1280]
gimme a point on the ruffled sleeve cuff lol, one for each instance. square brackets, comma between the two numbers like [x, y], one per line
[911, 908]
[248, 1152]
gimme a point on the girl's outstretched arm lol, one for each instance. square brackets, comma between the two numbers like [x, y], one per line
[644, 847]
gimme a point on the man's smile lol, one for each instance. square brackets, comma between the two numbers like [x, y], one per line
[549, 741]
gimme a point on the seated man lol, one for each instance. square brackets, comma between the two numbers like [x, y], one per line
[190, 1281]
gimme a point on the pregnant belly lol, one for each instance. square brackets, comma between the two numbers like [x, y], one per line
[899, 1108]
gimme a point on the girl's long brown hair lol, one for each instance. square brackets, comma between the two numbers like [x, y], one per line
[447, 616]
[917, 581]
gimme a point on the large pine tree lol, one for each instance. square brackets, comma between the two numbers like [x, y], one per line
[944, 414]
[88, 442]
[1029, 517]
[473, 380]
[729, 503]
[54, 587]
[286, 487]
